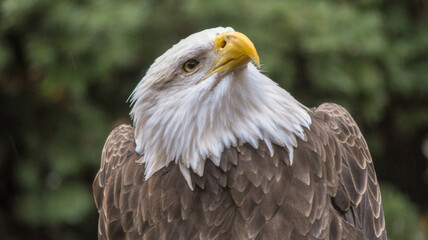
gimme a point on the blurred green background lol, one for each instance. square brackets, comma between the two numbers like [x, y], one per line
[68, 67]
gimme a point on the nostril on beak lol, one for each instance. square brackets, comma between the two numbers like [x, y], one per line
[223, 44]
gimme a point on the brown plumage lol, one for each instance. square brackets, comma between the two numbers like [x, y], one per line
[330, 191]
[217, 150]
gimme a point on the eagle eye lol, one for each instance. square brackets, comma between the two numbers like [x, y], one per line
[190, 65]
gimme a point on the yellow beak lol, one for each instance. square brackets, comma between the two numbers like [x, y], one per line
[235, 50]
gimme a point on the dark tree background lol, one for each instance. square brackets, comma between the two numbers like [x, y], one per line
[67, 68]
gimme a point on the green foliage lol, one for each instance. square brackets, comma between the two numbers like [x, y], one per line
[401, 215]
[67, 68]
[68, 204]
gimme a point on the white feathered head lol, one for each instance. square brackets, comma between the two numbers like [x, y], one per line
[206, 94]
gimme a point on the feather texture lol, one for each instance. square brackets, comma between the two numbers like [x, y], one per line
[329, 192]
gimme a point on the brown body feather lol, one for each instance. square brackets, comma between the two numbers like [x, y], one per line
[329, 192]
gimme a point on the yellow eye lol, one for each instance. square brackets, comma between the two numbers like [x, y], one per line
[190, 65]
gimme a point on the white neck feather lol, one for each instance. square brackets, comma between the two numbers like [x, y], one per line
[245, 107]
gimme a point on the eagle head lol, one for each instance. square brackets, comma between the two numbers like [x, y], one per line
[206, 94]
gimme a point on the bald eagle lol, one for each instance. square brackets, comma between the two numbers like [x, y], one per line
[218, 150]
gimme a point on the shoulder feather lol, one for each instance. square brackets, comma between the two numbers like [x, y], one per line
[118, 150]
[358, 194]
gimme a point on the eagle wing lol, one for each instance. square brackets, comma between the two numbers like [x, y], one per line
[115, 177]
[358, 197]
